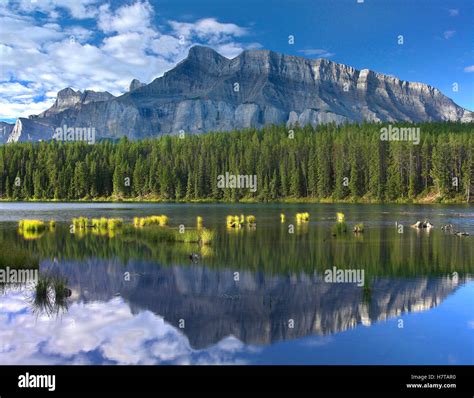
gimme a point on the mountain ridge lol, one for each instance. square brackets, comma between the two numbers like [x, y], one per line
[207, 91]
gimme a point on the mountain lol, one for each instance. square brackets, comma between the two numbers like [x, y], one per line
[207, 91]
[5, 131]
[70, 99]
[135, 84]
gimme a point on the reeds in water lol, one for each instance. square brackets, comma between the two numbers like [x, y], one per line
[151, 220]
[302, 217]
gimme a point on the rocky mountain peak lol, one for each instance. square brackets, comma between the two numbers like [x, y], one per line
[67, 97]
[209, 92]
[135, 84]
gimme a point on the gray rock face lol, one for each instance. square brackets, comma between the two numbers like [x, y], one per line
[5, 131]
[70, 99]
[207, 91]
[135, 84]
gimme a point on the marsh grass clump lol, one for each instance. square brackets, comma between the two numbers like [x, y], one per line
[34, 229]
[188, 236]
[114, 223]
[302, 217]
[42, 287]
[358, 228]
[238, 221]
[207, 236]
[235, 221]
[339, 228]
[202, 236]
[50, 294]
[99, 223]
[61, 291]
[251, 219]
[32, 225]
[139, 222]
[155, 234]
[199, 221]
[340, 217]
[80, 222]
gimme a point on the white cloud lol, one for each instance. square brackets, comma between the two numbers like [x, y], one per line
[79, 9]
[231, 50]
[48, 55]
[129, 18]
[13, 110]
[107, 328]
[317, 52]
[453, 12]
[208, 29]
[469, 68]
[448, 34]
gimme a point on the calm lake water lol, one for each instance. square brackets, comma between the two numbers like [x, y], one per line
[138, 302]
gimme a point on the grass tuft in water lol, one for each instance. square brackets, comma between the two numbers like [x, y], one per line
[302, 217]
[339, 228]
[139, 222]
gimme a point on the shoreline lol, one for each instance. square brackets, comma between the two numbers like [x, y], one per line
[112, 200]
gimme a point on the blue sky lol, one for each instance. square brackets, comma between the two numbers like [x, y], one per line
[46, 45]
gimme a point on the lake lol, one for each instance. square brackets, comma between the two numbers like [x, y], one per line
[255, 295]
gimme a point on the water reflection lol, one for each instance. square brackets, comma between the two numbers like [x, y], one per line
[99, 332]
[256, 309]
[130, 295]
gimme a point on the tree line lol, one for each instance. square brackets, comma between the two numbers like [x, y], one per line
[327, 162]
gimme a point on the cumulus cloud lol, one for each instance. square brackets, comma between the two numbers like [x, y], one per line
[94, 46]
[129, 18]
[208, 29]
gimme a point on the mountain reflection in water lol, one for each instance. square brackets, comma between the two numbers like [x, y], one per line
[171, 310]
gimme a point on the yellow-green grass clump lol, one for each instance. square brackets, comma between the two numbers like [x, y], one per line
[199, 221]
[99, 223]
[235, 221]
[32, 225]
[340, 217]
[207, 236]
[114, 223]
[251, 219]
[282, 217]
[155, 234]
[302, 217]
[33, 229]
[152, 220]
[80, 222]
[106, 224]
[339, 228]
